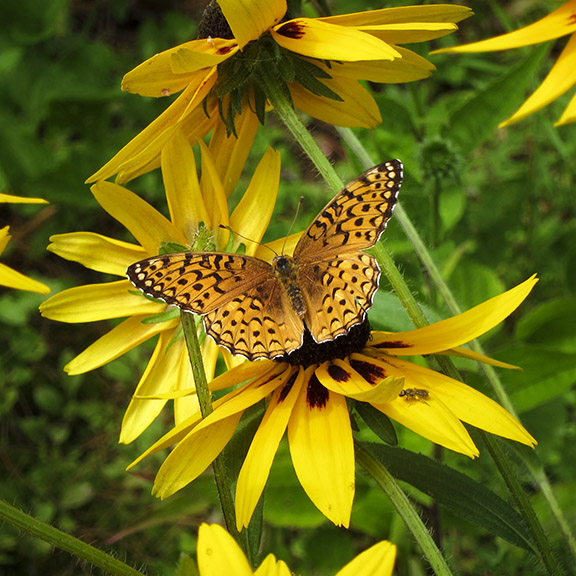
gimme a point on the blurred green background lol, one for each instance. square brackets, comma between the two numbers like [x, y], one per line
[495, 206]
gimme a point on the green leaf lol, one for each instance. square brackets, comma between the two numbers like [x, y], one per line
[465, 497]
[186, 567]
[377, 422]
[478, 118]
[551, 323]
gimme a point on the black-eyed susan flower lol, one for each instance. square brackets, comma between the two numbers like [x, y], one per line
[8, 276]
[307, 391]
[318, 61]
[561, 22]
[218, 554]
[197, 212]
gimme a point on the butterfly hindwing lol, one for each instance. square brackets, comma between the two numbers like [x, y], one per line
[356, 217]
[338, 291]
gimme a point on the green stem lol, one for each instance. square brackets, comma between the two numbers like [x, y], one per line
[542, 544]
[404, 508]
[221, 476]
[64, 541]
[448, 367]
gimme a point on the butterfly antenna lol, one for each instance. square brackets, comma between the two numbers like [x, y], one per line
[293, 222]
[246, 238]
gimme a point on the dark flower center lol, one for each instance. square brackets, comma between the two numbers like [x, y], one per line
[313, 353]
[213, 24]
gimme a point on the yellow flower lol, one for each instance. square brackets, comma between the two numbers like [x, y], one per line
[561, 77]
[196, 212]
[307, 397]
[8, 276]
[218, 553]
[319, 60]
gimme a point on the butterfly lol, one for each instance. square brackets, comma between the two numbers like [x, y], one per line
[261, 310]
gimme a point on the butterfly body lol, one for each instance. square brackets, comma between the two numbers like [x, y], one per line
[261, 310]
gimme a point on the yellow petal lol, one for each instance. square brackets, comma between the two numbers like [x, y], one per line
[407, 33]
[249, 19]
[168, 369]
[559, 80]
[406, 69]
[322, 450]
[96, 252]
[93, 302]
[457, 330]
[12, 279]
[5, 237]
[281, 246]
[150, 140]
[569, 114]
[430, 13]
[230, 152]
[326, 41]
[378, 560]
[272, 567]
[10, 198]
[471, 355]
[210, 53]
[214, 197]
[155, 77]
[193, 455]
[218, 553]
[556, 24]
[464, 402]
[145, 223]
[259, 199]
[339, 377]
[185, 201]
[357, 109]
[118, 341]
[256, 468]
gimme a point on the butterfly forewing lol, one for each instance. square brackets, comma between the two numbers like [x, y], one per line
[244, 306]
[356, 217]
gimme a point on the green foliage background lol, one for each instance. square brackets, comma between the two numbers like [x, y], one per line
[494, 205]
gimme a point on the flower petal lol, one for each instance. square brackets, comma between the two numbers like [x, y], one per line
[118, 341]
[219, 554]
[357, 109]
[410, 67]
[256, 468]
[12, 279]
[249, 19]
[471, 355]
[378, 559]
[258, 200]
[11, 199]
[96, 252]
[167, 370]
[272, 567]
[559, 80]
[325, 41]
[145, 223]
[208, 53]
[556, 24]
[569, 114]
[185, 200]
[151, 140]
[431, 13]
[339, 377]
[322, 450]
[193, 455]
[93, 302]
[465, 402]
[230, 152]
[456, 330]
